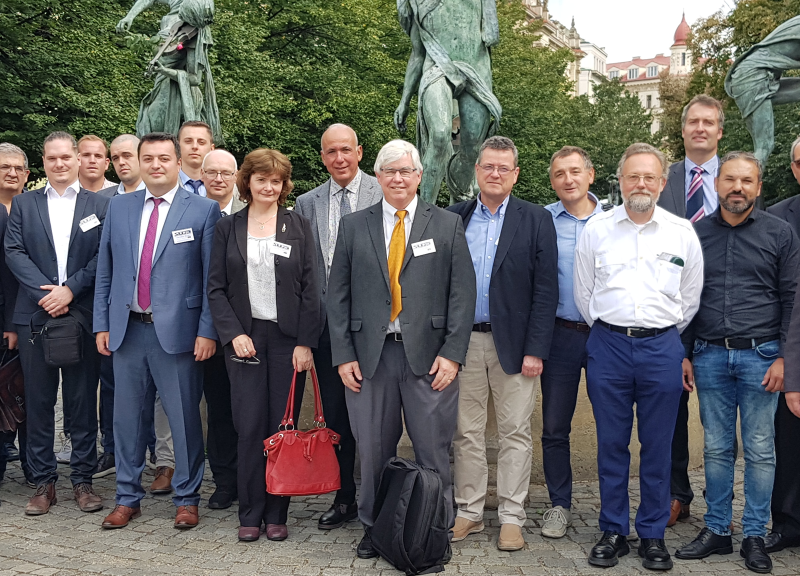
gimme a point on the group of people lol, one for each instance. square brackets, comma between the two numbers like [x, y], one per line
[200, 281]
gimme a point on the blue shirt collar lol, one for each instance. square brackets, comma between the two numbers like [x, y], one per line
[711, 167]
[501, 210]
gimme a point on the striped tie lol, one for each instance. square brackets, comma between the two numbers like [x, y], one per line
[694, 199]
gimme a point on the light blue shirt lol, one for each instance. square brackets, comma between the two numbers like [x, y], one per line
[710, 196]
[483, 235]
[568, 230]
[184, 179]
[121, 187]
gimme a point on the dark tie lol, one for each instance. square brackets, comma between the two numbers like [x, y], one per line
[694, 198]
[195, 184]
[146, 262]
[344, 207]
[222, 213]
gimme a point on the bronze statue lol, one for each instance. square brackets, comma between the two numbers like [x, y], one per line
[180, 67]
[450, 60]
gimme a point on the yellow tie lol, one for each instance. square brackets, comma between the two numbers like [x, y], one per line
[397, 252]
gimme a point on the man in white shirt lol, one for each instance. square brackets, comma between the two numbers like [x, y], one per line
[93, 157]
[196, 140]
[637, 279]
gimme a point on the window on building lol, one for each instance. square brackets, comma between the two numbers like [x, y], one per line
[649, 101]
[652, 71]
[683, 58]
[633, 73]
[613, 74]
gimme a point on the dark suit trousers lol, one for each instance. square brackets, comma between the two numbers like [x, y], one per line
[259, 393]
[107, 403]
[786, 491]
[79, 394]
[680, 487]
[222, 440]
[334, 404]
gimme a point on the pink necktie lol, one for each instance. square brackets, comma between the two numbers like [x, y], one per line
[146, 262]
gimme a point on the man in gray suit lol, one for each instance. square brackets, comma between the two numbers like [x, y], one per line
[347, 190]
[401, 304]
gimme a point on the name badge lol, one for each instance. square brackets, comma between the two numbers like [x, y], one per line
[181, 236]
[89, 222]
[423, 247]
[280, 248]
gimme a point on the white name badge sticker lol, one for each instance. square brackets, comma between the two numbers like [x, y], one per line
[181, 236]
[89, 222]
[280, 249]
[423, 247]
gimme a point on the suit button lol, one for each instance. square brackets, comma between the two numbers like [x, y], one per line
[383, 328]
[277, 261]
[134, 278]
[388, 302]
[277, 282]
[323, 290]
[127, 305]
[54, 258]
[55, 279]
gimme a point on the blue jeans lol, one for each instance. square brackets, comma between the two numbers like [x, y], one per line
[727, 380]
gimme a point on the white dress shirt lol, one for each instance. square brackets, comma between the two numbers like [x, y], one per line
[61, 209]
[335, 212]
[647, 276]
[228, 207]
[147, 210]
[389, 220]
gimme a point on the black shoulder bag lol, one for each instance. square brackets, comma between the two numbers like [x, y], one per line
[62, 337]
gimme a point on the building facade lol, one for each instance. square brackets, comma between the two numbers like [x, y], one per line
[593, 68]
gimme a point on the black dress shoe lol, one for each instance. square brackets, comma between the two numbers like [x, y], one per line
[12, 454]
[755, 555]
[706, 544]
[222, 497]
[654, 554]
[775, 542]
[365, 551]
[337, 515]
[607, 551]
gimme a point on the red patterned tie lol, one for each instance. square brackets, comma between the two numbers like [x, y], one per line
[146, 262]
[694, 199]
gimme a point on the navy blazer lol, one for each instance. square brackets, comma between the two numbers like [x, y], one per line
[523, 292]
[673, 196]
[31, 254]
[178, 278]
[788, 210]
[8, 292]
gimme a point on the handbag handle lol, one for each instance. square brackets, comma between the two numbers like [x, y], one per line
[74, 311]
[288, 416]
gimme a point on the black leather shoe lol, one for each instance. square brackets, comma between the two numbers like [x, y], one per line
[775, 542]
[337, 515]
[607, 551]
[222, 497]
[654, 554]
[12, 454]
[755, 555]
[365, 551]
[706, 544]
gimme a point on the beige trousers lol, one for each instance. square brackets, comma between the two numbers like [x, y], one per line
[514, 397]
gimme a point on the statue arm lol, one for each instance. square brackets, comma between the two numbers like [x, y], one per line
[172, 74]
[413, 77]
[139, 7]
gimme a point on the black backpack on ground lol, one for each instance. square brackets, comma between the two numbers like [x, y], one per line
[410, 530]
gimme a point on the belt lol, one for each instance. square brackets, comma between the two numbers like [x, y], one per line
[144, 317]
[579, 326]
[633, 332]
[482, 327]
[395, 336]
[742, 343]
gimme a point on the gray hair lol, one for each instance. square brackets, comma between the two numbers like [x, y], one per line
[231, 156]
[567, 151]
[337, 125]
[9, 148]
[704, 100]
[791, 150]
[122, 138]
[393, 151]
[60, 135]
[499, 143]
[737, 155]
[642, 148]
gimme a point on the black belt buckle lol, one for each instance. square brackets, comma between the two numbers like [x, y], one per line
[143, 317]
[582, 327]
[482, 327]
[396, 336]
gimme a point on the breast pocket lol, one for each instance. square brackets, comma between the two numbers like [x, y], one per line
[668, 278]
[607, 267]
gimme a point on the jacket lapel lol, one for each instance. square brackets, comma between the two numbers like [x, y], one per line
[321, 215]
[179, 205]
[469, 210]
[44, 214]
[281, 230]
[513, 217]
[80, 208]
[375, 226]
[240, 230]
[134, 225]
[368, 194]
[418, 226]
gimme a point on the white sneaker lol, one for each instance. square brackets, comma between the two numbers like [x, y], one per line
[556, 522]
[63, 456]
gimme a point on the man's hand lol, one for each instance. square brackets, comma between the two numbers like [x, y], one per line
[12, 339]
[445, 370]
[532, 366]
[351, 375]
[102, 343]
[400, 116]
[793, 402]
[243, 346]
[688, 375]
[204, 348]
[302, 359]
[59, 297]
[124, 24]
[773, 379]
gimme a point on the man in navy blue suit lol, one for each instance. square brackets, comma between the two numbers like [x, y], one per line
[152, 312]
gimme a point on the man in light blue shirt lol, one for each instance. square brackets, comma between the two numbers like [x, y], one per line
[571, 174]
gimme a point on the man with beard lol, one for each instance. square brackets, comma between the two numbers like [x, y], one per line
[738, 337]
[637, 280]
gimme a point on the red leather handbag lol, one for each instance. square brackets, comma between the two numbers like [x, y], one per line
[302, 463]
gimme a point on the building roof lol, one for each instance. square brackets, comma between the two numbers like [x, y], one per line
[641, 63]
[682, 32]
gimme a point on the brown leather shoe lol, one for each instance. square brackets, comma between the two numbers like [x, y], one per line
[87, 500]
[186, 517]
[677, 511]
[163, 480]
[120, 516]
[41, 501]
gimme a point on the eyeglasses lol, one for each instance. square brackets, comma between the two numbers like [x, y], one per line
[404, 172]
[241, 360]
[489, 168]
[225, 175]
[633, 179]
[8, 168]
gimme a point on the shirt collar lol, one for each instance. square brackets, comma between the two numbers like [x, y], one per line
[389, 210]
[352, 186]
[168, 197]
[716, 216]
[711, 166]
[121, 187]
[72, 189]
[184, 177]
[559, 209]
[501, 210]
[229, 206]
[620, 214]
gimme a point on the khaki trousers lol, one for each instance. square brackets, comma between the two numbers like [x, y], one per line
[514, 397]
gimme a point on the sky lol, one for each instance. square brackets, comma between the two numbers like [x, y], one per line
[628, 28]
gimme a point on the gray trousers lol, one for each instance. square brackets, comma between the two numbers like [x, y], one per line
[377, 412]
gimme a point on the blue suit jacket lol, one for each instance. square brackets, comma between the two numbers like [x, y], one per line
[179, 275]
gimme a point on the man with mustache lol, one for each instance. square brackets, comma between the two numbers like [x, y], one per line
[637, 280]
[738, 337]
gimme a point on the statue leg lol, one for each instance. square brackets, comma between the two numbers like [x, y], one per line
[761, 126]
[475, 121]
[437, 111]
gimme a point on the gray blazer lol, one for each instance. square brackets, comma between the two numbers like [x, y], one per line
[673, 197]
[438, 291]
[314, 205]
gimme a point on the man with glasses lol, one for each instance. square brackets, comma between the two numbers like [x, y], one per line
[637, 280]
[514, 251]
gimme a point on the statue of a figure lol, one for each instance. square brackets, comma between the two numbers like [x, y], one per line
[450, 59]
[180, 67]
[754, 82]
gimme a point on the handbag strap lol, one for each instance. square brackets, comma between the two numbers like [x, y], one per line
[75, 310]
[288, 415]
